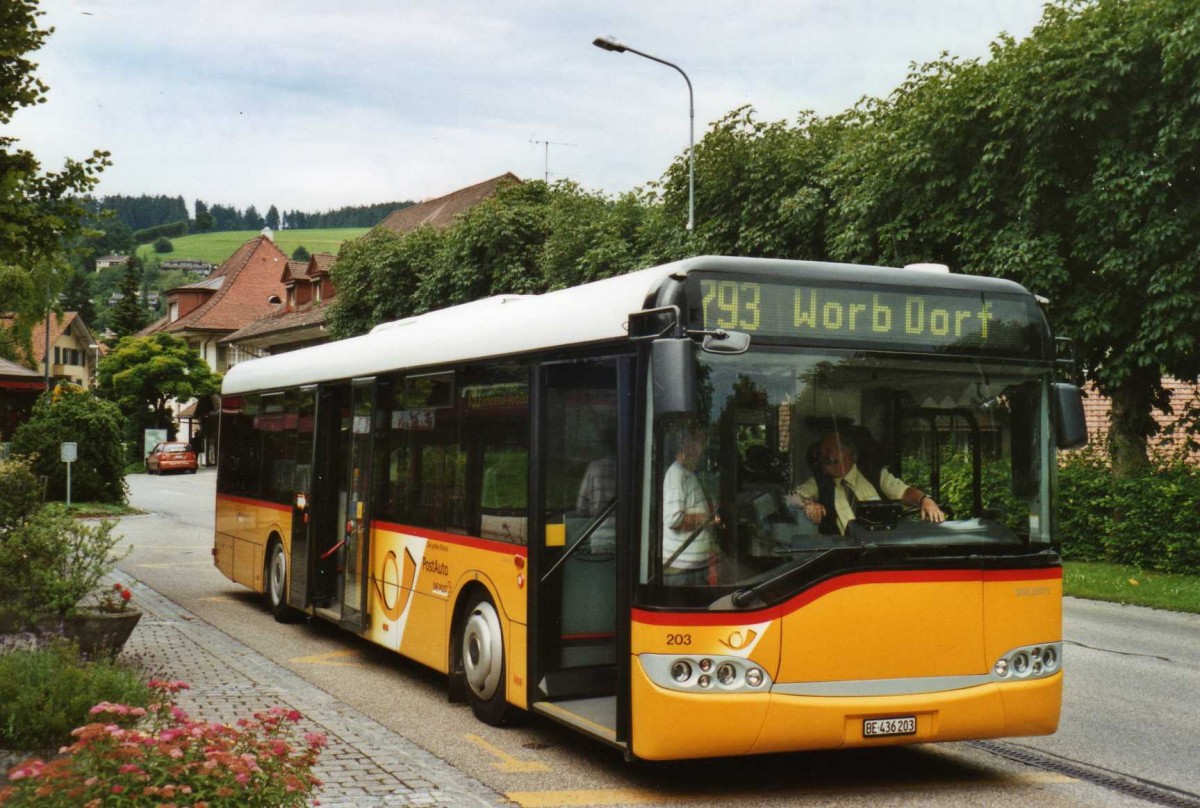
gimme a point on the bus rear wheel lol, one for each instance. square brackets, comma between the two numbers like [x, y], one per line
[483, 662]
[276, 584]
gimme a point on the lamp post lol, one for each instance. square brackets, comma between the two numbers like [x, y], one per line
[610, 44]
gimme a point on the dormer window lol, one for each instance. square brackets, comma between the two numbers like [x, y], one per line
[317, 289]
[291, 297]
[173, 311]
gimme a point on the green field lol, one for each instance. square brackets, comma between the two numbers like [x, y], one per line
[214, 248]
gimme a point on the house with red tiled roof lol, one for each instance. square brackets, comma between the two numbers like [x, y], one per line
[300, 318]
[444, 210]
[245, 288]
[72, 354]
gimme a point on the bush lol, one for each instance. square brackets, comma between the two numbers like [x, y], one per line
[46, 693]
[20, 492]
[162, 244]
[49, 563]
[175, 759]
[1150, 519]
[70, 413]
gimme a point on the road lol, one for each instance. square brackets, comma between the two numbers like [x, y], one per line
[1131, 711]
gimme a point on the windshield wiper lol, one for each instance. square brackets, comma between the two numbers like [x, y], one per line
[742, 598]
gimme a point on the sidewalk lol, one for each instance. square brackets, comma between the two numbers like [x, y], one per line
[366, 764]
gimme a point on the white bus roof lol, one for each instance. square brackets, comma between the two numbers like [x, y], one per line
[513, 324]
[496, 326]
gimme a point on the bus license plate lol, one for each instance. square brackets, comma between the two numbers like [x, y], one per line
[904, 725]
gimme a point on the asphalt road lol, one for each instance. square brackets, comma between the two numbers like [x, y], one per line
[1132, 704]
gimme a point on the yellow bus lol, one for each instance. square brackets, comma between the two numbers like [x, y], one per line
[612, 505]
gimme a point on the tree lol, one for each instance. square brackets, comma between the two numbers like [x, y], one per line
[70, 413]
[273, 218]
[1066, 162]
[127, 315]
[78, 297]
[162, 244]
[40, 213]
[300, 254]
[144, 374]
[251, 220]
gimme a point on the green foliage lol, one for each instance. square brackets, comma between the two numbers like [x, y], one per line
[144, 374]
[1150, 519]
[127, 316]
[45, 693]
[51, 561]
[20, 492]
[163, 245]
[71, 414]
[300, 254]
[39, 212]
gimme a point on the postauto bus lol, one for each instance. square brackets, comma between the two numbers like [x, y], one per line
[481, 489]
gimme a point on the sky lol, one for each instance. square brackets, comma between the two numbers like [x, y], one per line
[314, 104]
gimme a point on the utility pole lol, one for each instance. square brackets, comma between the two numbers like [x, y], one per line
[547, 144]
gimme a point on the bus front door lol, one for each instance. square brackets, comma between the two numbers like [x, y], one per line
[576, 637]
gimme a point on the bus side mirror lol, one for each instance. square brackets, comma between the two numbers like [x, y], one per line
[673, 374]
[1070, 425]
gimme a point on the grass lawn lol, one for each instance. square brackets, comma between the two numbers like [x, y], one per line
[214, 248]
[1117, 583]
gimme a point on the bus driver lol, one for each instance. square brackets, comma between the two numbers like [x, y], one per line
[837, 457]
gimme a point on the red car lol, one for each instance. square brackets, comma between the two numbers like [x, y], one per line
[168, 456]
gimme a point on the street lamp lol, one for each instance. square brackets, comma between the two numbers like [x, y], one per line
[610, 44]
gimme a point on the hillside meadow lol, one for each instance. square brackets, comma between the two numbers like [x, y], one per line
[214, 248]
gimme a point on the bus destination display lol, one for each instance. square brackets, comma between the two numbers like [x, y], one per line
[925, 319]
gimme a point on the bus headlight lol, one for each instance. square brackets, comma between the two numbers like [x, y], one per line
[1028, 662]
[705, 674]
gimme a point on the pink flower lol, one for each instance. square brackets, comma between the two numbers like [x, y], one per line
[118, 789]
[129, 768]
[294, 715]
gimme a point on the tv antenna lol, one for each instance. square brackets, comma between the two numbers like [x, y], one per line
[546, 144]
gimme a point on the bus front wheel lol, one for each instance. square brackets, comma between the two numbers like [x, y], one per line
[483, 661]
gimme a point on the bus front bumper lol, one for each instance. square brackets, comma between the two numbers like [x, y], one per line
[669, 724]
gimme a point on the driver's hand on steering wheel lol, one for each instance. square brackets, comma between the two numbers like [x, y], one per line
[815, 512]
[930, 512]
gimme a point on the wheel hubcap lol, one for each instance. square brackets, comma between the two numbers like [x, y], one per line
[483, 651]
[278, 575]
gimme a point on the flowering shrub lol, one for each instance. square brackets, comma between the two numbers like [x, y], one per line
[116, 599]
[172, 760]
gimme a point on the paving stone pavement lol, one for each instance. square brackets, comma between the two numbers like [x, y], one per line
[366, 764]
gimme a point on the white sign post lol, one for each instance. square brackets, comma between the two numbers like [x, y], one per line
[69, 453]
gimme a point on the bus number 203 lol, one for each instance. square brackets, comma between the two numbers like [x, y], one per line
[679, 639]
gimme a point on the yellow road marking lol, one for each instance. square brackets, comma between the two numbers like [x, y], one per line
[206, 562]
[345, 657]
[640, 796]
[506, 762]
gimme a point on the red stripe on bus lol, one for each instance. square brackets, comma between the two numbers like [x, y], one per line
[455, 538]
[262, 503]
[832, 585]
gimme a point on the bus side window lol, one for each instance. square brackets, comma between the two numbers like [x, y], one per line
[495, 438]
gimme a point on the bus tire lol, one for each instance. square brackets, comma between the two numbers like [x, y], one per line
[275, 583]
[482, 654]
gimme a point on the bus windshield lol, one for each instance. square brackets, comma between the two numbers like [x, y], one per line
[738, 479]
